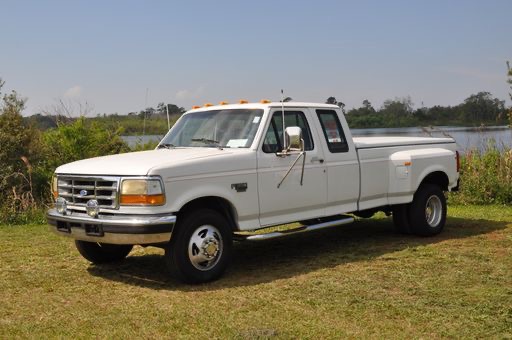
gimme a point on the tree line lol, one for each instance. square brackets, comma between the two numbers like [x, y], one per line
[478, 109]
[155, 118]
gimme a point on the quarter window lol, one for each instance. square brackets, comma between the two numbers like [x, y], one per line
[333, 132]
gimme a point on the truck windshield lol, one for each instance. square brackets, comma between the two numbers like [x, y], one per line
[232, 128]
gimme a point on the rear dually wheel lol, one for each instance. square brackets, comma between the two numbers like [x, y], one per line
[427, 212]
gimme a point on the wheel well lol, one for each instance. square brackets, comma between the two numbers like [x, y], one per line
[439, 178]
[218, 204]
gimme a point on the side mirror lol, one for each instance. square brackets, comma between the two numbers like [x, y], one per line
[293, 139]
[293, 144]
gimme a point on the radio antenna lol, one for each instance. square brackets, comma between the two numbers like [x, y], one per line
[145, 113]
[282, 114]
[168, 122]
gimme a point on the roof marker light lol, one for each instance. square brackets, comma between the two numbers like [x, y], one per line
[208, 105]
[265, 101]
[195, 107]
[243, 101]
[223, 103]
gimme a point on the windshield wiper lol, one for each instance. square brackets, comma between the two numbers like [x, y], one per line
[205, 140]
[165, 145]
[208, 141]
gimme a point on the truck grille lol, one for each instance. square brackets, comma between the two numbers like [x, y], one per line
[79, 190]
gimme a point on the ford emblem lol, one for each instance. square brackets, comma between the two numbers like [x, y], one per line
[83, 192]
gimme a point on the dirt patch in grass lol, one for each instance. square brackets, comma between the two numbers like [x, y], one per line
[359, 280]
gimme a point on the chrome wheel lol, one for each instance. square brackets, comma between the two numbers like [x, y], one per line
[433, 211]
[427, 211]
[205, 247]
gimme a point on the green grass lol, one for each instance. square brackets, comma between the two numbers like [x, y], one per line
[359, 280]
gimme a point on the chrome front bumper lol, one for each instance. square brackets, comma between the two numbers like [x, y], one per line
[115, 229]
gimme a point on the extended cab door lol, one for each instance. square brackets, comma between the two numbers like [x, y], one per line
[341, 161]
[291, 201]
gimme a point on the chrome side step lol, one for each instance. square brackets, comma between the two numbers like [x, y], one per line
[303, 229]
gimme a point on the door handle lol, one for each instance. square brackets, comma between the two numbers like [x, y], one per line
[316, 159]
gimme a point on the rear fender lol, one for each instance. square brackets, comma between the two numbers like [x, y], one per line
[408, 169]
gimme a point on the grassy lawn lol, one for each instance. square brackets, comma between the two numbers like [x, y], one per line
[359, 280]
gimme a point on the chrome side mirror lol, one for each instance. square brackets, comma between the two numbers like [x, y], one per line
[293, 144]
[293, 139]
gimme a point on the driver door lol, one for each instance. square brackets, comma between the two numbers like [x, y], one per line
[291, 201]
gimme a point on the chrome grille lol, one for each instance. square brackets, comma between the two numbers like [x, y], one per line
[79, 190]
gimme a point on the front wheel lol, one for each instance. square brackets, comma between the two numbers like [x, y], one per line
[427, 212]
[401, 218]
[200, 247]
[102, 252]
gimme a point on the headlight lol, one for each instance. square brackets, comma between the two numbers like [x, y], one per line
[55, 190]
[142, 192]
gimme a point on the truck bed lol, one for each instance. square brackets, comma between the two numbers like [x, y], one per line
[392, 168]
[378, 142]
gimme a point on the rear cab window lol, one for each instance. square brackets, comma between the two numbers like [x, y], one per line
[332, 130]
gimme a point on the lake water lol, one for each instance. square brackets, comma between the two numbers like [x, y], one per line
[467, 138]
[134, 140]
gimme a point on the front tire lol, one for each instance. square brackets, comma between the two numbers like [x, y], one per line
[102, 252]
[427, 212]
[200, 248]
[401, 218]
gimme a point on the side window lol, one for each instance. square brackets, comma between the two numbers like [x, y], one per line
[333, 131]
[274, 137]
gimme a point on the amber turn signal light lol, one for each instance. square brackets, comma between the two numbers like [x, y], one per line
[143, 199]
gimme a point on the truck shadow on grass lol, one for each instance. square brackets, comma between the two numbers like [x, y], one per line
[267, 261]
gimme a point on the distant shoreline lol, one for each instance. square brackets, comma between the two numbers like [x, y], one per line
[431, 128]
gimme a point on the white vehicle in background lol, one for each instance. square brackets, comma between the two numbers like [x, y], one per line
[225, 169]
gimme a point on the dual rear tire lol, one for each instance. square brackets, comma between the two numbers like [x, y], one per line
[425, 215]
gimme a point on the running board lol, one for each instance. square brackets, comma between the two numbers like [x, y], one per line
[303, 229]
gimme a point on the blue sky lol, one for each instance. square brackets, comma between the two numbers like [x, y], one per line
[109, 52]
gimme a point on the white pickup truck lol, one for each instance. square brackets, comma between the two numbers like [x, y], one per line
[224, 170]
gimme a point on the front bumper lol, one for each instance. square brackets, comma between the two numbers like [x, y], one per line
[114, 229]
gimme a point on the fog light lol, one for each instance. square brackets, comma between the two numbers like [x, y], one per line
[61, 205]
[92, 208]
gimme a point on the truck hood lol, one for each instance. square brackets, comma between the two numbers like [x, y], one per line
[137, 163]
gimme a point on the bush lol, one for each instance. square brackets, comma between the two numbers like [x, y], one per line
[29, 158]
[486, 177]
[80, 139]
[151, 145]
[20, 152]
